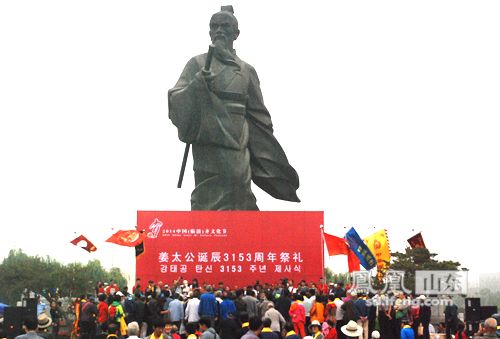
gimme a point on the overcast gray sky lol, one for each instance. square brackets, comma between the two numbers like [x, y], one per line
[388, 110]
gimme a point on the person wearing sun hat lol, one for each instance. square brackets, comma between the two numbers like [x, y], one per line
[352, 329]
[315, 330]
[43, 329]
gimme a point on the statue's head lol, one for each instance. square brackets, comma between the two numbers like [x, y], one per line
[224, 26]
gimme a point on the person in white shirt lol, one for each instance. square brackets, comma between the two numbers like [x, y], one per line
[339, 316]
[191, 312]
[309, 301]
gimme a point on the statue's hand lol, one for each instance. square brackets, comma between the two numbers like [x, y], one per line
[208, 77]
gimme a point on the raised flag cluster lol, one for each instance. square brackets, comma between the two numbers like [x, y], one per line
[370, 252]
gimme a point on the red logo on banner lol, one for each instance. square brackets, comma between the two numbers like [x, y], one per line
[236, 247]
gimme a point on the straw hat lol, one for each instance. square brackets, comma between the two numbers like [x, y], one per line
[375, 334]
[352, 329]
[44, 321]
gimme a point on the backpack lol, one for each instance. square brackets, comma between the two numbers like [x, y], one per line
[113, 314]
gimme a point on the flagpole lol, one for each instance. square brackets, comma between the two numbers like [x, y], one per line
[322, 227]
[112, 253]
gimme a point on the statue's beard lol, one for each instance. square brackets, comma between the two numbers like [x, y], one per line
[223, 54]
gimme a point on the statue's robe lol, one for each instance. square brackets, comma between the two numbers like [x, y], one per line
[232, 136]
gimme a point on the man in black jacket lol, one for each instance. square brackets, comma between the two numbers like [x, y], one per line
[451, 318]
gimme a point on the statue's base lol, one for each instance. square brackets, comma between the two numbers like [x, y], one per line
[234, 247]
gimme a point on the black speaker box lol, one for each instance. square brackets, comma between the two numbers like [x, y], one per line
[472, 309]
[12, 322]
[29, 308]
[488, 311]
[472, 303]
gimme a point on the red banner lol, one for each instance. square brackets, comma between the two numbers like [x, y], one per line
[83, 242]
[417, 241]
[235, 247]
[129, 238]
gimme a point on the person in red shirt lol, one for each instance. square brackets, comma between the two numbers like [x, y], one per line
[461, 334]
[330, 332]
[112, 288]
[100, 287]
[322, 286]
[102, 313]
[298, 314]
[331, 308]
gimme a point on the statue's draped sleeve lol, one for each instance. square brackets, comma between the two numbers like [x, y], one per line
[270, 168]
[199, 115]
[184, 108]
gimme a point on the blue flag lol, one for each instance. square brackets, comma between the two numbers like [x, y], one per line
[358, 246]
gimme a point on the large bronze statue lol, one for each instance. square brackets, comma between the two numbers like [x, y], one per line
[217, 107]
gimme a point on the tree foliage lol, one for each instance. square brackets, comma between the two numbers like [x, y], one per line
[18, 271]
[336, 277]
[415, 259]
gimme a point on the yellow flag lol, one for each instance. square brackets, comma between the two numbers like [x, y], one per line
[378, 243]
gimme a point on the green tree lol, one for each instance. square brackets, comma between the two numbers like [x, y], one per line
[115, 274]
[415, 259]
[18, 271]
[336, 277]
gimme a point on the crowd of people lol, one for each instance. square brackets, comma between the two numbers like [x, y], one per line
[188, 310]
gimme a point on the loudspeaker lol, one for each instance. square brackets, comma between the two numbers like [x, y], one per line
[30, 306]
[12, 321]
[472, 309]
[488, 311]
[472, 327]
[472, 303]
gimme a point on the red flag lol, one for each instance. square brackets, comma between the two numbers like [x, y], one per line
[129, 238]
[336, 245]
[84, 243]
[353, 261]
[417, 241]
